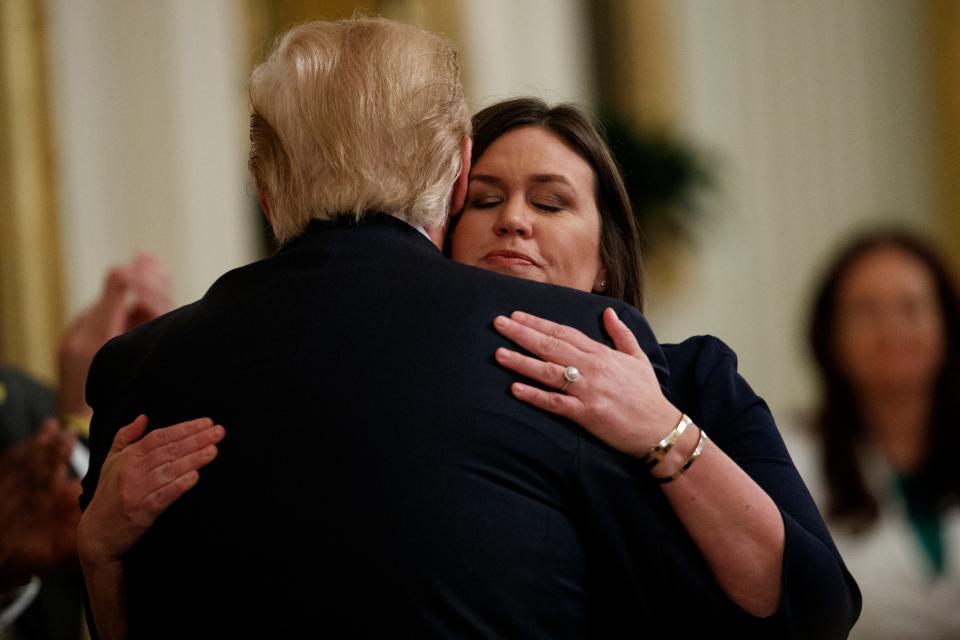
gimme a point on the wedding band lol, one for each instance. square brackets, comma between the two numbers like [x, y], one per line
[570, 375]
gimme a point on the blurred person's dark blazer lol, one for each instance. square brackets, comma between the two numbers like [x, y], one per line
[377, 478]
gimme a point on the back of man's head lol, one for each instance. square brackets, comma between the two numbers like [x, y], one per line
[357, 115]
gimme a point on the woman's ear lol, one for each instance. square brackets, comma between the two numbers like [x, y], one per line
[601, 283]
[459, 195]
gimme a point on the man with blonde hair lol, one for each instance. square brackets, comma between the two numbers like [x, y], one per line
[358, 116]
[376, 479]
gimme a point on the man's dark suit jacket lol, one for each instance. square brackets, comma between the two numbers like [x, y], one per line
[377, 478]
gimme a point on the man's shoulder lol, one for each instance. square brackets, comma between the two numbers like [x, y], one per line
[235, 284]
[534, 295]
[122, 356]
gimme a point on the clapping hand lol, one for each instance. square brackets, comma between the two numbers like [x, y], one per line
[39, 509]
[132, 294]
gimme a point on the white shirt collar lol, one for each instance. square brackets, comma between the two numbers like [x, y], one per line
[421, 230]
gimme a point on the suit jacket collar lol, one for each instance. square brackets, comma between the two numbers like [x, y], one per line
[373, 222]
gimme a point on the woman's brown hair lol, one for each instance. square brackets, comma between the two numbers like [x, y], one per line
[619, 236]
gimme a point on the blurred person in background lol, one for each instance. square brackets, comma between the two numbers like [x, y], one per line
[42, 457]
[885, 333]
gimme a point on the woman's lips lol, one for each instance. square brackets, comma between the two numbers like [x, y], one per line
[511, 258]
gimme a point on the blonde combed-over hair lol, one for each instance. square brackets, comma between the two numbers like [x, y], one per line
[357, 115]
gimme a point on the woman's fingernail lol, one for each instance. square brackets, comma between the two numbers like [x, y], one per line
[501, 321]
[519, 316]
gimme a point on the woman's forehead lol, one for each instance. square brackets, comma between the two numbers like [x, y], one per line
[535, 154]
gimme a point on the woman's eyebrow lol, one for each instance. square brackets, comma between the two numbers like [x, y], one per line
[538, 178]
[493, 180]
[549, 177]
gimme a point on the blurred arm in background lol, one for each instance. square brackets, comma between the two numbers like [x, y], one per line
[39, 510]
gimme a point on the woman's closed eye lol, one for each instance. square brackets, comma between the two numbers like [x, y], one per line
[550, 204]
[483, 199]
[548, 207]
[544, 203]
[483, 202]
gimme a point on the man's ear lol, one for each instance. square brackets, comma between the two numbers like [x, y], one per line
[262, 198]
[459, 195]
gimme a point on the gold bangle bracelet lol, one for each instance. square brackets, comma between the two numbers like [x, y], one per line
[689, 463]
[660, 450]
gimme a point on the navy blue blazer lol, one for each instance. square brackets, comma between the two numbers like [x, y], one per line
[378, 479]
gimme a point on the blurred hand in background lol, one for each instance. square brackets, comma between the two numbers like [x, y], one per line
[132, 294]
[39, 510]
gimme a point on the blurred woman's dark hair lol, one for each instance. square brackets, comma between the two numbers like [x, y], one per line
[839, 422]
[619, 236]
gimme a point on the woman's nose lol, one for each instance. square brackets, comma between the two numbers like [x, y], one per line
[513, 220]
